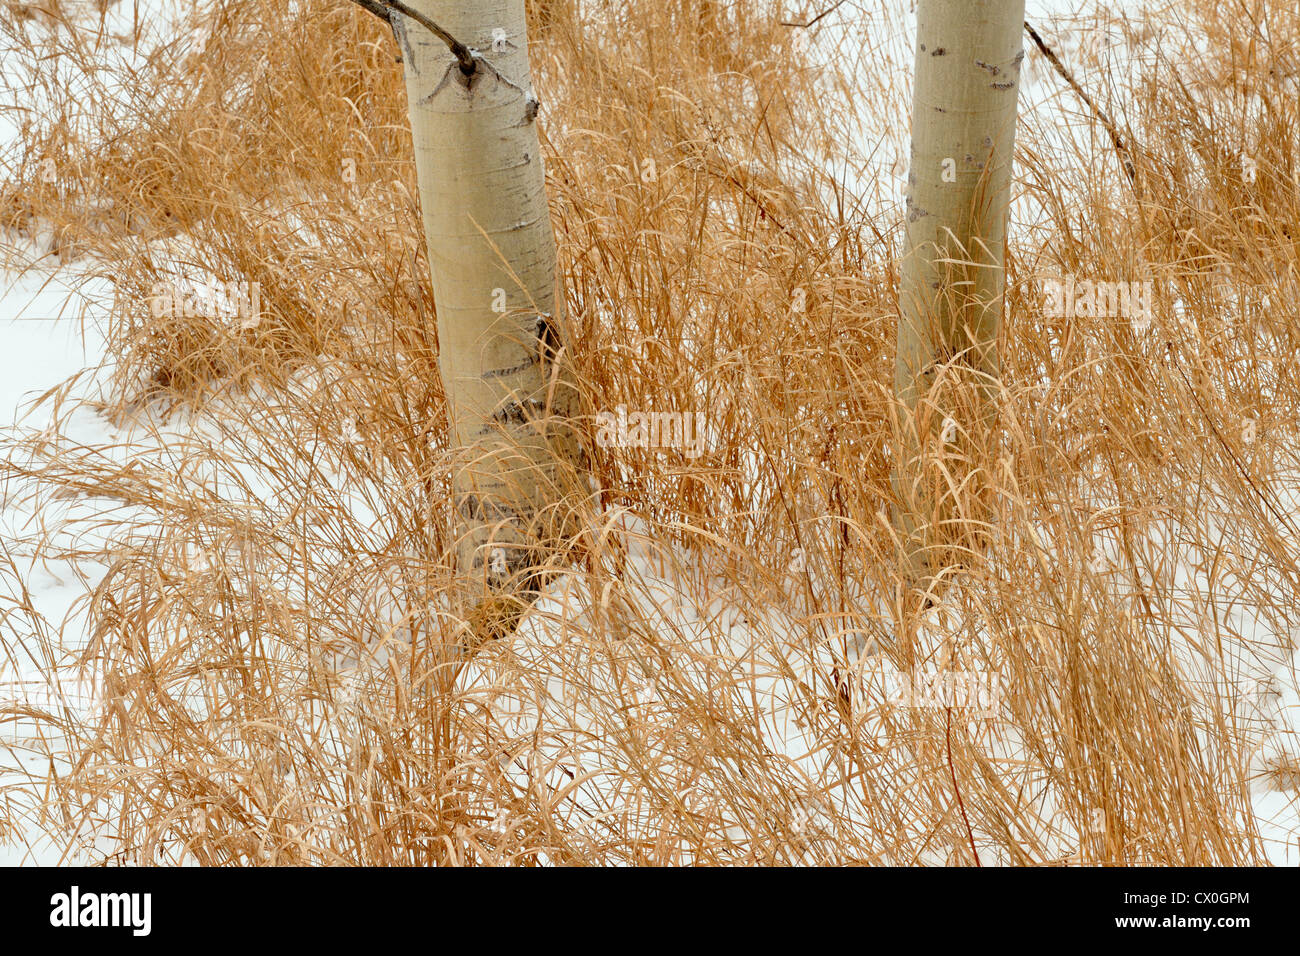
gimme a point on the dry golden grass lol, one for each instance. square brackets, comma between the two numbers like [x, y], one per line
[270, 637]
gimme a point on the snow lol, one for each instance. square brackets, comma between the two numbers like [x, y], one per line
[42, 347]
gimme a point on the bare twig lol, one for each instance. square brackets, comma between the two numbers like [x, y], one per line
[1124, 154]
[469, 60]
[815, 20]
[961, 804]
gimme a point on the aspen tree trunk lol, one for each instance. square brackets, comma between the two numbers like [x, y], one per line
[968, 59]
[492, 258]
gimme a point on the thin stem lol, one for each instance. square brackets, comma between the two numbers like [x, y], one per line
[961, 804]
[815, 20]
[1097, 111]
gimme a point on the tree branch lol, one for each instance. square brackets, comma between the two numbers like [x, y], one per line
[815, 20]
[1097, 111]
[384, 10]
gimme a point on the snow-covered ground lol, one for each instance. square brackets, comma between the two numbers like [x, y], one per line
[50, 338]
[42, 346]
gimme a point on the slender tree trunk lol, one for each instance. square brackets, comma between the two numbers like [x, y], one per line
[968, 61]
[492, 257]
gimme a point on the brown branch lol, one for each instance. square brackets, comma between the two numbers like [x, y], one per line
[384, 9]
[1097, 111]
[815, 20]
[961, 804]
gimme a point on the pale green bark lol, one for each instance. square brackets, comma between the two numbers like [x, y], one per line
[492, 257]
[968, 61]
